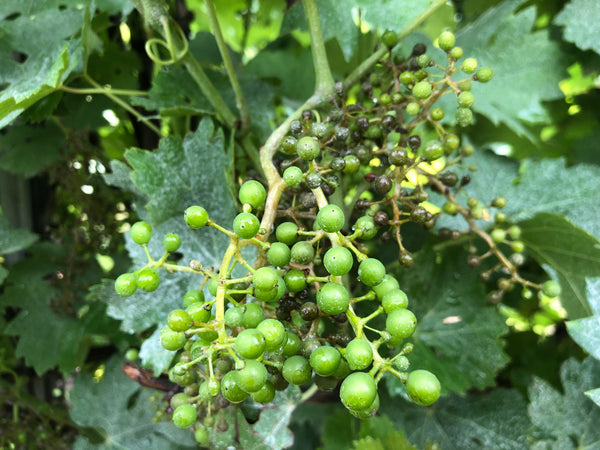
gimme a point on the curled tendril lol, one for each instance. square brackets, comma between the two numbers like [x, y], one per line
[174, 53]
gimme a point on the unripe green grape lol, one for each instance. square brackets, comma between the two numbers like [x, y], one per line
[451, 141]
[202, 436]
[333, 298]
[287, 232]
[292, 344]
[179, 320]
[179, 399]
[498, 235]
[253, 315]
[477, 212]
[500, 217]
[371, 271]
[141, 232]
[231, 390]
[288, 145]
[464, 117]
[326, 384]
[374, 132]
[193, 296]
[358, 391]
[423, 60]
[368, 412]
[274, 333]
[252, 376]
[465, 85]
[250, 343]
[366, 226]
[172, 242]
[308, 148]
[148, 280]
[388, 283]
[407, 77]
[401, 323]
[233, 316]
[413, 108]
[446, 40]
[450, 208]
[469, 65]
[213, 285]
[295, 280]
[514, 231]
[265, 278]
[252, 192]
[279, 254]
[359, 354]
[389, 38]
[302, 252]
[265, 394]
[126, 284]
[132, 354]
[172, 340]
[343, 370]
[331, 218]
[456, 53]
[196, 217]
[385, 99]
[292, 176]
[318, 129]
[422, 89]
[296, 370]
[437, 114]
[352, 164]
[325, 360]
[423, 387]
[338, 261]
[246, 225]
[434, 150]
[402, 363]
[394, 299]
[185, 416]
[551, 288]
[484, 74]
[465, 99]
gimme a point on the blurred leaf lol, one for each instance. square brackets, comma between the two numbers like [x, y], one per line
[567, 416]
[13, 239]
[495, 419]
[38, 50]
[453, 314]
[123, 412]
[500, 39]
[580, 19]
[594, 394]
[586, 332]
[28, 150]
[571, 252]
[339, 22]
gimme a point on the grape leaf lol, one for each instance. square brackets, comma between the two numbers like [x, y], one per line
[38, 50]
[339, 23]
[153, 355]
[453, 314]
[586, 332]
[46, 339]
[123, 413]
[567, 416]
[547, 185]
[13, 239]
[272, 426]
[28, 150]
[580, 18]
[505, 42]
[594, 395]
[495, 419]
[572, 253]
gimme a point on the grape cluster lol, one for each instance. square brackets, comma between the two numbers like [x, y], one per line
[316, 306]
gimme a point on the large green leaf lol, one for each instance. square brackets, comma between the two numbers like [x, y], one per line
[12, 239]
[453, 315]
[339, 23]
[580, 19]
[567, 419]
[527, 66]
[495, 419]
[38, 50]
[571, 252]
[586, 332]
[123, 413]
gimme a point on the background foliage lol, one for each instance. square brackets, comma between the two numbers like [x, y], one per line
[93, 136]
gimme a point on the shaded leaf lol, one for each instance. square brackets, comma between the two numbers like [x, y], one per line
[496, 419]
[568, 416]
[453, 314]
[586, 332]
[13, 239]
[580, 19]
[571, 252]
[123, 413]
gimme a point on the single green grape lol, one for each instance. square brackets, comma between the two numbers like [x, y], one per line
[172, 242]
[333, 298]
[265, 394]
[126, 284]
[358, 391]
[279, 254]
[296, 370]
[196, 217]
[253, 193]
[292, 176]
[148, 280]
[359, 354]
[401, 323]
[469, 65]
[308, 148]
[250, 343]
[287, 232]
[185, 416]
[338, 261]
[365, 228]
[422, 89]
[371, 271]
[325, 360]
[484, 74]
[246, 225]
[331, 218]
[172, 340]
[193, 296]
[446, 40]
[231, 390]
[302, 252]
[423, 387]
[141, 232]
[551, 288]
[394, 299]
[179, 320]
[252, 376]
[274, 332]
[253, 315]
[387, 284]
